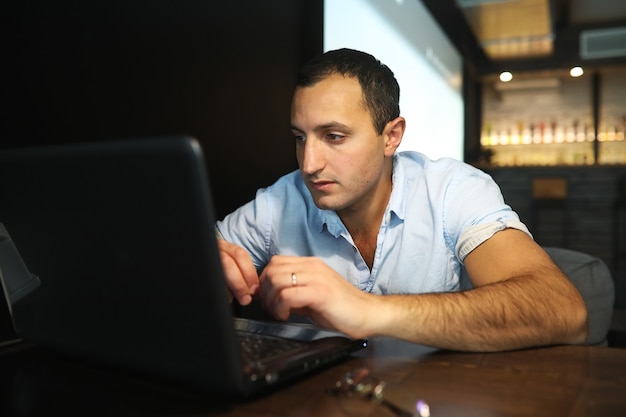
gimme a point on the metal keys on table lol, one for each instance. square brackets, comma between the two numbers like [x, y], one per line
[359, 382]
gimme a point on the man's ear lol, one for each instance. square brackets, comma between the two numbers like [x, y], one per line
[394, 130]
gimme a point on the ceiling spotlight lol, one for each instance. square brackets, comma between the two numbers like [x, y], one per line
[576, 72]
[506, 76]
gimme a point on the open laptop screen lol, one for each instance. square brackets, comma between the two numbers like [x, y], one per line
[120, 234]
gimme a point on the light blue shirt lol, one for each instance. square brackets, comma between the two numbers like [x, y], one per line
[439, 211]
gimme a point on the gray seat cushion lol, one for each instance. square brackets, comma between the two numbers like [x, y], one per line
[594, 282]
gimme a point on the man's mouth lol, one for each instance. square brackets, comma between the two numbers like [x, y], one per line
[321, 185]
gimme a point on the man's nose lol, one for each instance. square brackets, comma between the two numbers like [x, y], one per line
[312, 157]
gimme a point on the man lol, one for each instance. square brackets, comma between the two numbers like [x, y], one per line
[370, 241]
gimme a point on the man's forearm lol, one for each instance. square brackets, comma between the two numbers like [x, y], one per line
[516, 313]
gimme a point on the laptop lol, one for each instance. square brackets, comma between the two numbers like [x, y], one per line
[108, 253]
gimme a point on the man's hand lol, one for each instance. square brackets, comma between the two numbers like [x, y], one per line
[318, 292]
[241, 276]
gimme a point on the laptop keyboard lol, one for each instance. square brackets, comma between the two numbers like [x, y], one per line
[257, 348]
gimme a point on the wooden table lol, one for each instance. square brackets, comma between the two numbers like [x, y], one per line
[554, 381]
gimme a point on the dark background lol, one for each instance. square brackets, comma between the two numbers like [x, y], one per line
[222, 71]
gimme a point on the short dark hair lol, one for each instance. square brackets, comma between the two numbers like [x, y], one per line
[381, 91]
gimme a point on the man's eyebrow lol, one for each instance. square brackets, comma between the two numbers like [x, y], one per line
[325, 126]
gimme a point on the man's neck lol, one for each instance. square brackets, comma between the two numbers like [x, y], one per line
[363, 226]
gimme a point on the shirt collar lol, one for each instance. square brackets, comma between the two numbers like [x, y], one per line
[333, 223]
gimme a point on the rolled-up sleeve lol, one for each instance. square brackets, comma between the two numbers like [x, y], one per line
[473, 236]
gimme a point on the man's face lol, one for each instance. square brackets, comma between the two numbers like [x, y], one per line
[340, 155]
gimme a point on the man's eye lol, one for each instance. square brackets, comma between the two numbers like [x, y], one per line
[299, 138]
[334, 137]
